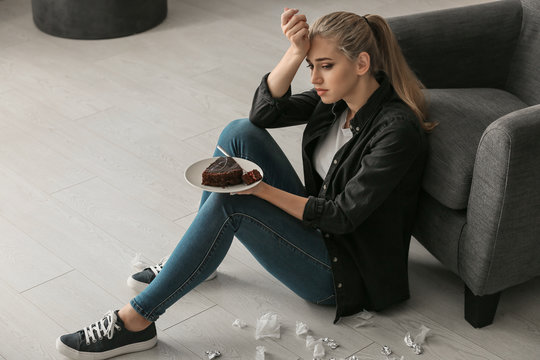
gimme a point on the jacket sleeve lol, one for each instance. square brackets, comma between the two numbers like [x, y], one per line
[393, 150]
[288, 110]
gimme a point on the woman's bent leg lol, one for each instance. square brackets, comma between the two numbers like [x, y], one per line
[242, 139]
[293, 253]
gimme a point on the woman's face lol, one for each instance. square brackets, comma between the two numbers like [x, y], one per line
[333, 75]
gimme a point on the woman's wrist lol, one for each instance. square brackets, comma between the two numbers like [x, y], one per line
[260, 189]
[296, 54]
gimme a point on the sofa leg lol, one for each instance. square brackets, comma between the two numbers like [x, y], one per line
[480, 310]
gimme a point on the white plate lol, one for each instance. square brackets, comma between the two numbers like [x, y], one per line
[193, 175]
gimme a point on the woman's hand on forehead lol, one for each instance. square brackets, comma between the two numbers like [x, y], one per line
[295, 28]
[287, 15]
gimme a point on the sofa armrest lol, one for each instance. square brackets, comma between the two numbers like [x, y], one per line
[500, 244]
[462, 47]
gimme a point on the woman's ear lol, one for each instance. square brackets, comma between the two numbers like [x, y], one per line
[363, 63]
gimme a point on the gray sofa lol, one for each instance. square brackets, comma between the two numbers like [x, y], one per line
[479, 212]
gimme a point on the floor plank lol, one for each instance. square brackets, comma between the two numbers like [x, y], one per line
[47, 169]
[158, 190]
[123, 217]
[66, 234]
[28, 115]
[24, 263]
[42, 85]
[27, 332]
[73, 300]
[151, 141]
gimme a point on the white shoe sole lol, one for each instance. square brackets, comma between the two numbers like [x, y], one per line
[139, 286]
[79, 355]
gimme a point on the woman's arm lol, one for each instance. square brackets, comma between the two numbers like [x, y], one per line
[295, 27]
[290, 203]
[273, 104]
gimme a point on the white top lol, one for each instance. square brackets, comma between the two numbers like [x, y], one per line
[329, 145]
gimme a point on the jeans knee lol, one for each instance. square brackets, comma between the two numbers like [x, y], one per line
[227, 205]
[241, 132]
[234, 129]
[224, 202]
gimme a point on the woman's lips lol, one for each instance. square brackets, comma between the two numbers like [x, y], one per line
[321, 91]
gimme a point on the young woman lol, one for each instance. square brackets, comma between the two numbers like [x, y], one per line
[342, 237]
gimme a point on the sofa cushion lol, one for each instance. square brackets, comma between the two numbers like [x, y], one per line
[463, 115]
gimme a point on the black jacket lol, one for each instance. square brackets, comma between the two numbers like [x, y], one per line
[366, 205]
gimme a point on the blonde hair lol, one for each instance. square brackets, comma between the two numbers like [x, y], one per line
[372, 34]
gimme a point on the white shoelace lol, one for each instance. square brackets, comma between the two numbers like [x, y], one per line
[157, 268]
[99, 328]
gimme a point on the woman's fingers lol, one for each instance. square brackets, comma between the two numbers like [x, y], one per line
[300, 35]
[295, 19]
[292, 28]
[287, 15]
[296, 28]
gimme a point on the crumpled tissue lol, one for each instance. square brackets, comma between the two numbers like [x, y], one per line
[239, 323]
[137, 264]
[421, 337]
[259, 354]
[365, 319]
[418, 341]
[268, 325]
[318, 350]
[310, 341]
[364, 315]
[301, 328]
[316, 346]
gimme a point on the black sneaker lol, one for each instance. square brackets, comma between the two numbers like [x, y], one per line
[104, 339]
[139, 281]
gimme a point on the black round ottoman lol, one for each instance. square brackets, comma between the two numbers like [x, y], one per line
[97, 19]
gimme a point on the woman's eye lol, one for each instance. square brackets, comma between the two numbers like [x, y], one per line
[324, 66]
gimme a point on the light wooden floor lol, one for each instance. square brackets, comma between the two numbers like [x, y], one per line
[94, 139]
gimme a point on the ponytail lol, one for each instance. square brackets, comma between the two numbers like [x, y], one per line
[371, 33]
[393, 63]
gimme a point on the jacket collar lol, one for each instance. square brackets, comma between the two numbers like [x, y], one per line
[371, 107]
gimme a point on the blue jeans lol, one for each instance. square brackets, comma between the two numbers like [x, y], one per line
[292, 252]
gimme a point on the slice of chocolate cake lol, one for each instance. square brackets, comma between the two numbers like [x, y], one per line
[222, 172]
[251, 176]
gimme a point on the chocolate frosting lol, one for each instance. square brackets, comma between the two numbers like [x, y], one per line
[223, 164]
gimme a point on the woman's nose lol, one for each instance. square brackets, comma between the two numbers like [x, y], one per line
[315, 77]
